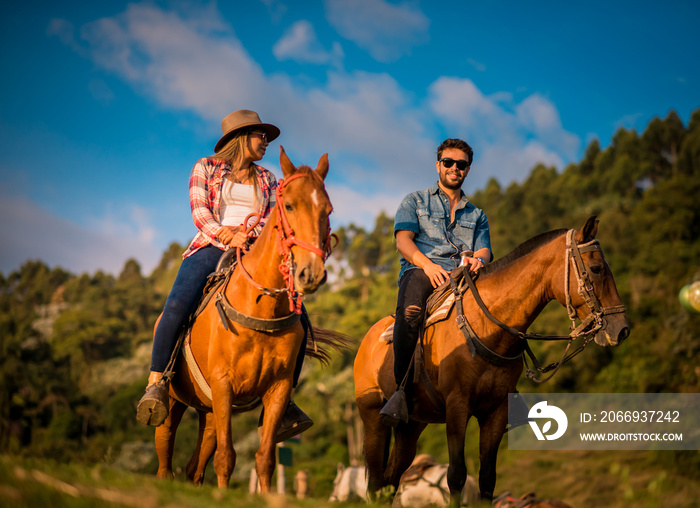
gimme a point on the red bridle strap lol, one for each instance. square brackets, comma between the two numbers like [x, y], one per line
[286, 240]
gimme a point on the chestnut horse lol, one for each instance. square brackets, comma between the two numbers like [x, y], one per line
[463, 384]
[242, 364]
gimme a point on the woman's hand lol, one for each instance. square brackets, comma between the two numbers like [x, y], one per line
[233, 236]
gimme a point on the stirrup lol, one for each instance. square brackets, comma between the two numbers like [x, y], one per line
[294, 422]
[395, 410]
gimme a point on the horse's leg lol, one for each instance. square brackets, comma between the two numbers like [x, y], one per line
[491, 432]
[206, 445]
[225, 457]
[377, 439]
[165, 439]
[275, 403]
[404, 451]
[457, 417]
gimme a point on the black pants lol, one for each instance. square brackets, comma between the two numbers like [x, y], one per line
[414, 290]
[302, 350]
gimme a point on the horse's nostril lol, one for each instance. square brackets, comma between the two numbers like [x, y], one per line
[624, 333]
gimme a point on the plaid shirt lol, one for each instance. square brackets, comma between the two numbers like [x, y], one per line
[206, 182]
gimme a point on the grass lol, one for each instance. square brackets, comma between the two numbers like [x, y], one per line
[579, 478]
[28, 483]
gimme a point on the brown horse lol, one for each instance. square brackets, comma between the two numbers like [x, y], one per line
[463, 384]
[242, 364]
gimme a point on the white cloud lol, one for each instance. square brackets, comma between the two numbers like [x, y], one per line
[300, 44]
[192, 62]
[387, 31]
[105, 245]
[540, 117]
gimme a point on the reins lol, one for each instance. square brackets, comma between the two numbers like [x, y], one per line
[588, 327]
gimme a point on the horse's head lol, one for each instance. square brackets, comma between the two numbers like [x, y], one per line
[303, 207]
[592, 289]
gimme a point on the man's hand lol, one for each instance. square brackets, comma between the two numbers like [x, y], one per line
[473, 263]
[436, 273]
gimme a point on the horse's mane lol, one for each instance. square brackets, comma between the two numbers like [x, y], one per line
[521, 250]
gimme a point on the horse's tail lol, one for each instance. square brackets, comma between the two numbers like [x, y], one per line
[323, 341]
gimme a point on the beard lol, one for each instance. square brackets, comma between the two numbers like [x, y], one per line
[449, 184]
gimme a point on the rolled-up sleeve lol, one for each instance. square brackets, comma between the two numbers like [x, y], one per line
[406, 218]
[482, 235]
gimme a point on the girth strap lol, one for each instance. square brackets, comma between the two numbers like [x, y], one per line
[227, 312]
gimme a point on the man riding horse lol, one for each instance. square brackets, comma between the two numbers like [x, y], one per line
[436, 229]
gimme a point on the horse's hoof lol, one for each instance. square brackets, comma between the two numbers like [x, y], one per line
[153, 406]
[294, 422]
[395, 410]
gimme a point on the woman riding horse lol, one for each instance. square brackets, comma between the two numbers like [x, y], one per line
[224, 189]
[242, 346]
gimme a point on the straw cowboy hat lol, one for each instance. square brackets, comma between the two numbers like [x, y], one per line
[242, 119]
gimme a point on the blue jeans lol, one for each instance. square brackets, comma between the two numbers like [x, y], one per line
[182, 301]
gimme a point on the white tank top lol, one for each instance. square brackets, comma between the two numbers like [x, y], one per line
[237, 202]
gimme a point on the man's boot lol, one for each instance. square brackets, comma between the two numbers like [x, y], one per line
[154, 405]
[294, 422]
[395, 410]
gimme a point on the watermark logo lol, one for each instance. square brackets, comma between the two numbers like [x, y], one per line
[604, 421]
[543, 411]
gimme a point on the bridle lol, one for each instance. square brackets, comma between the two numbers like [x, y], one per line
[285, 241]
[597, 314]
[589, 326]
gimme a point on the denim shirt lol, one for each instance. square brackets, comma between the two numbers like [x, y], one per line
[427, 214]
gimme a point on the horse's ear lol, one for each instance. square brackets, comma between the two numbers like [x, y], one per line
[322, 168]
[588, 231]
[287, 166]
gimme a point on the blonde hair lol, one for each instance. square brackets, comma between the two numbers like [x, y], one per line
[232, 153]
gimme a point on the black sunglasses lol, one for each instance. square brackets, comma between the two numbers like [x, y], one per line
[263, 135]
[461, 164]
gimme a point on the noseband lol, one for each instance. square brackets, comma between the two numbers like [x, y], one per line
[285, 241]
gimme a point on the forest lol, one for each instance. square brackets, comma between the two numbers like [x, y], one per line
[75, 348]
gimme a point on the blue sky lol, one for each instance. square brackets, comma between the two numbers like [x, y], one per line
[105, 106]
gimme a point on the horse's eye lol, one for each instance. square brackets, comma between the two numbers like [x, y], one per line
[288, 207]
[597, 269]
